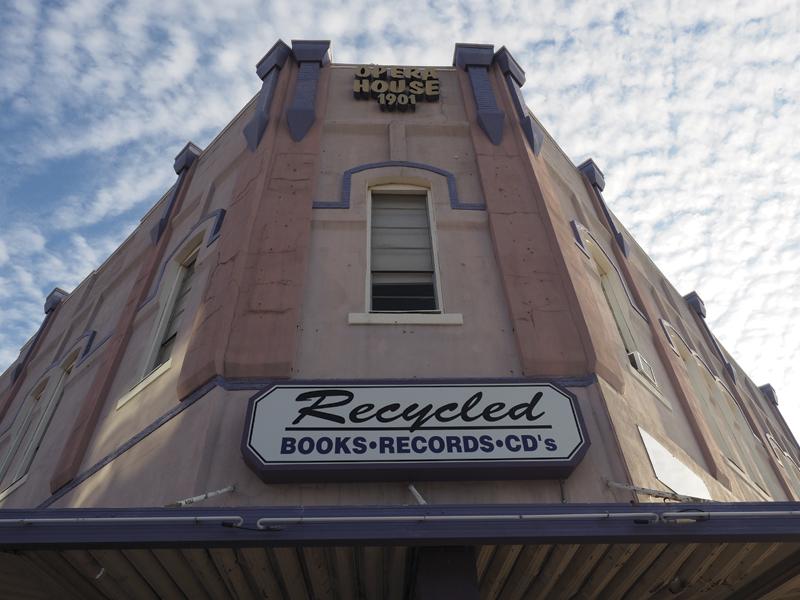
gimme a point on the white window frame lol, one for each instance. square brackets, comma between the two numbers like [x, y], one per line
[429, 317]
[168, 313]
[618, 300]
[148, 371]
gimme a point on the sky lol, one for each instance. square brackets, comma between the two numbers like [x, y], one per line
[691, 109]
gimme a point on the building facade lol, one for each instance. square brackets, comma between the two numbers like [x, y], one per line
[382, 338]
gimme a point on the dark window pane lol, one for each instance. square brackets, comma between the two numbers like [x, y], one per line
[403, 297]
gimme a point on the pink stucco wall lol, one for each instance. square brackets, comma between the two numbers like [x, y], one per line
[274, 292]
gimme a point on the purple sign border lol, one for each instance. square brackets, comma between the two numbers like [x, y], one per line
[462, 470]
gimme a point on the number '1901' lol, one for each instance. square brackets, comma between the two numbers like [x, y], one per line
[392, 101]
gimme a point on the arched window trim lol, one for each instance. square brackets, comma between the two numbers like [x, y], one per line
[618, 296]
[49, 390]
[403, 185]
[165, 295]
[586, 241]
[715, 385]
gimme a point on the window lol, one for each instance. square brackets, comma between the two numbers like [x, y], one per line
[402, 271]
[402, 280]
[20, 442]
[619, 303]
[184, 286]
[726, 420]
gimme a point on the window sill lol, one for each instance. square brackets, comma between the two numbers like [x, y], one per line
[405, 319]
[149, 378]
[649, 386]
[10, 489]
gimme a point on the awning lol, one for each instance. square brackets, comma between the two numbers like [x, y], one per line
[740, 550]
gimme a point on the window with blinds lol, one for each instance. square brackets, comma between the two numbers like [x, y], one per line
[179, 305]
[401, 255]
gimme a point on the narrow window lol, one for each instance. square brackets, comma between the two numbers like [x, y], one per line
[179, 305]
[615, 304]
[402, 269]
[26, 435]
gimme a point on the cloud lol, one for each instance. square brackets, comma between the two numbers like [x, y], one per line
[690, 108]
[145, 177]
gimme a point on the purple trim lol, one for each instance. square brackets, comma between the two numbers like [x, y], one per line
[697, 305]
[186, 157]
[213, 234]
[254, 129]
[769, 393]
[695, 302]
[476, 59]
[179, 408]
[243, 385]
[275, 58]
[664, 325]
[509, 66]
[468, 531]
[595, 176]
[216, 228]
[577, 227]
[593, 173]
[25, 359]
[490, 117]
[183, 161]
[311, 56]
[268, 70]
[87, 334]
[415, 471]
[302, 112]
[89, 351]
[158, 229]
[515, 78]
[478, 55]
[452, 190]
[318, 51]
[53, 299]
[90, 334]
[51, 303]
[576, 232]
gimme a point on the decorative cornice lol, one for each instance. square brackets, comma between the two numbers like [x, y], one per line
[54, 298]
[476, 59]
[509, 66]
[183, 161]
[317, 51]
[311, 56]
[515, 79]
[186, 157]
[275, 58]
[595, 176]
[769, 393]
[268, 70]
[696, 303]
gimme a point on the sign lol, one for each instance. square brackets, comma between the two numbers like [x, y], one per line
[380, 432]
[396, 88]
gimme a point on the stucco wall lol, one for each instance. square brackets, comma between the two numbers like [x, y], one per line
[272, 297]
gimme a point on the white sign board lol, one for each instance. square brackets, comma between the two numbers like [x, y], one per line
[384, 431]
